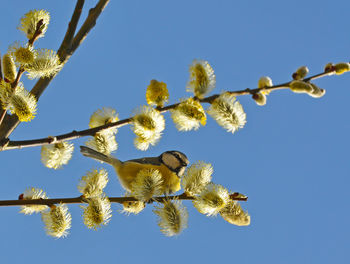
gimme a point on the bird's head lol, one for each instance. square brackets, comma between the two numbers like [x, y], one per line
[176, 161]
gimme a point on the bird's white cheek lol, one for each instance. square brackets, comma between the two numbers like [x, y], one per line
[181, 171]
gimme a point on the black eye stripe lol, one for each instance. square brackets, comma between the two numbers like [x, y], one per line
[179, 158]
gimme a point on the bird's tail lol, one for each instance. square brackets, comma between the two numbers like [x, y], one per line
[88, 152]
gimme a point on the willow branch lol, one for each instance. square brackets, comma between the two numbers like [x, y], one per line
[92, 131]
[72, 26]
[78, 200]
[18, 78]
[67, 48]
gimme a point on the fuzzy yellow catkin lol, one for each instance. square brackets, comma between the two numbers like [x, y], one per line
[9, 68]
[172, 217]
[148, 183]
[23, 54]
[157, 93]
[56, 155]
[30, 20]
[300, 87]
[46, 64]
[147, 124]
[317, 92]
[133, 207]
[259, 98]
[212, 199]
[300, 73]
[196, 177]
[93, 183]
[341, 68]
[57, 220]
[22, 103]
[228, 112]
[234, 214]
[188, 115]
[97, 213]
[32, 193]
[202, 78]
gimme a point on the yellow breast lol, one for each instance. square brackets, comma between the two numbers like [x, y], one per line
[127, 173]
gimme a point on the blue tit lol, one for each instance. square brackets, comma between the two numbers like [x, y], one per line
[171, 164]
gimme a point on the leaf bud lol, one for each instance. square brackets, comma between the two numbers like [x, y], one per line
[317, 91]
[341, 68]
[300, 87]
[329, 67]
[300, 73]
[259, 98]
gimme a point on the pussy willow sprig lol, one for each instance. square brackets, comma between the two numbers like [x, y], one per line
[72, 40]
[7, 144]
[21, 69]
[81, 199]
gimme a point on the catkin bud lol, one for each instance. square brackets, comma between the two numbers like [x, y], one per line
[157, 93]
[9, 67]
[317, 92]
[341, 68]
[265, 82]
[329, 67]
[131, 207]
[300, 87]
[300, 73]
[259, 98]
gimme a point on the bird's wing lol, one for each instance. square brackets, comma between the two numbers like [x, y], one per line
[149, 160]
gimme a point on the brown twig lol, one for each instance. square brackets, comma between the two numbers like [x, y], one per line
[18, 78]
[92, 131]
[72, 26]
[281, 86]
[37, 32]
[89, 23]
[80, 199]
[65, 52]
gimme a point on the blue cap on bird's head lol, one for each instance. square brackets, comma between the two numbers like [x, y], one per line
[176, 161]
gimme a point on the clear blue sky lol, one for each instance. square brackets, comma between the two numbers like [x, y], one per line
[291, 158]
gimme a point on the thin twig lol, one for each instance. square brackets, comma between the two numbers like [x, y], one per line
[92, 131]
[37, 32]
[89, 23]
[78, 200]
[72, 26]
[65, 52]
[18, 78]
